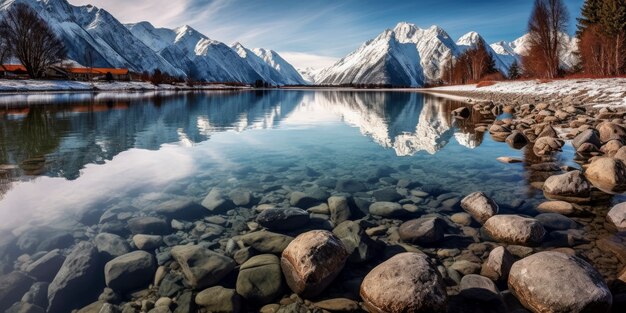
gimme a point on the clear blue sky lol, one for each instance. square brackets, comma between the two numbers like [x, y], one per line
[317, 32]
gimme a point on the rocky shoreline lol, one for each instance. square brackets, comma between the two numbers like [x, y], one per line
[339, 245]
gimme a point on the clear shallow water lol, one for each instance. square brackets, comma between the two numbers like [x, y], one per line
[68, 154]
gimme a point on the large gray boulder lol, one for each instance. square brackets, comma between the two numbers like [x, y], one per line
[78, 281]
[260, 279]
[201, 266]
[219, 300]
[130, 271]
[479, 206]
[571, 186]
[556, 282]
[589, 136]
[407, 282]
[312, 261]
[514, 229]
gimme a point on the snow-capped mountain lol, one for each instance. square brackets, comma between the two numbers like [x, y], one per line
[509, 51]
[288, 73]
[403, 56]
[200, 57]
[472, 39]
[411, 56]
[94, 37]
[309, 74]
[88, 28]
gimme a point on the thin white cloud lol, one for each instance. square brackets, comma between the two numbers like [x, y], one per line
[304, 60]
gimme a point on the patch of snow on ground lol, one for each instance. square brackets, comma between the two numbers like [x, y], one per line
[597, 92]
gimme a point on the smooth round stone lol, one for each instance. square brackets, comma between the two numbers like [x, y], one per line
[478, 287]
[387, 209]
[147, 242]
[148, 225]
[266, 242]
[312, 261]
[425, 230]
[462, 219]
[219, 299]
[283, 218]
[201, 266]
[407, 282]
[479, 206]
[589, 136]
[571, 186]
[610, 131]
[560, 207]
[607, 174]
[555, 282]
[260, 279]
[338, 305]
[465, 267]
[130, 271]
[515, 229]
[554, 221]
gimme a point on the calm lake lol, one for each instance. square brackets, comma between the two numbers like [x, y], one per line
[75, 165]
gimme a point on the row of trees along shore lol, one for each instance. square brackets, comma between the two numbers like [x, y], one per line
[601, 34]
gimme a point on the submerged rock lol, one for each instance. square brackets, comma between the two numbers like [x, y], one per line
[387, 209]
[358, 244]
[260, 279]
[219, 299]
[47, 266]
[560, 207]
[216, 202]
[111, 245]
[556, 282]
[283, 218]
[201, 266]
[515, 229]
[12, 287]
[130, 271]
[479, 206]
[78, 281]
[148, 225]
[266, 242]
[312, 261]
[406, 282]
[424, 230]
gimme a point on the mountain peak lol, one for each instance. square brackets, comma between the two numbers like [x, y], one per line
[470, 39]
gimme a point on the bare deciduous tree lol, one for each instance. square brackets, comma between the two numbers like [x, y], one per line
[547, 26]
[31, 40]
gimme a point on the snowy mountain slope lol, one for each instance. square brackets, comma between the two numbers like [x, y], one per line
[88, 28]
[472, 39]
[410, 56]
[94, 37]
[273, 69]
[403, 56]
[203, 58]
[309, 74]
[520, 46]
[289, 74]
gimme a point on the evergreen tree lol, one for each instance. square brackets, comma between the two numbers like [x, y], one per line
[589, 15]
[514, 72]
[612, 16]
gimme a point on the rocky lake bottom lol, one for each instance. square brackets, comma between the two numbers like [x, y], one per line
[310, 201]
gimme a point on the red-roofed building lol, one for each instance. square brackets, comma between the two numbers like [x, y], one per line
[73, 73]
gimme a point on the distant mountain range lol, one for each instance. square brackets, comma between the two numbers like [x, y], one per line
[141, 47]
[403, 56]
[410, 56]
